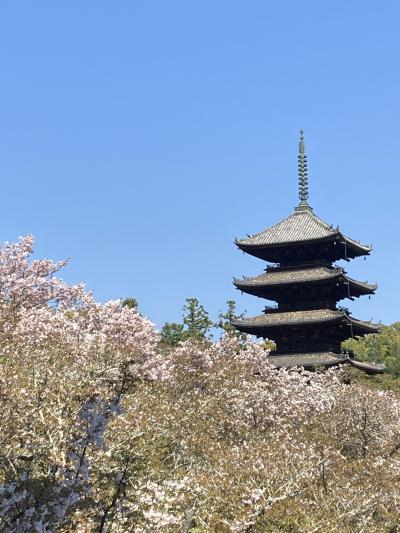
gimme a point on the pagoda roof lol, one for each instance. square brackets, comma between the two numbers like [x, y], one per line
[304, 275]
[369, 368]
[302, 226]
[292, 318]
[314, 359]
[307, 359]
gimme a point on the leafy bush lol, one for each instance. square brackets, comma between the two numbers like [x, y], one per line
[383, 347]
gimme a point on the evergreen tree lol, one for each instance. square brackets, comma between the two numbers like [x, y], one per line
[196, 319]
[225, 320]
[130, 302]
[172, 333]
[383, 347]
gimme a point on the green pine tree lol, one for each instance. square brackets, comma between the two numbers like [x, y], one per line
[196, 319]
[172, 333]
[225, 320]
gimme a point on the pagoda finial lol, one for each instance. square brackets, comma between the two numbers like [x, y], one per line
[302, 172]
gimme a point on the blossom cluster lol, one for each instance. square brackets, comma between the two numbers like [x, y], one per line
[65, 363]
[103, 428]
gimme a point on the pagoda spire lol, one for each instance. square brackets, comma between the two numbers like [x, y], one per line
[302, 172]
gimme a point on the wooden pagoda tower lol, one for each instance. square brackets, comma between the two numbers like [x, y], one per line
[307, 325]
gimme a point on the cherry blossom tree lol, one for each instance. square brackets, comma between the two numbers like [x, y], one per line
[104, 428]
[65, 364]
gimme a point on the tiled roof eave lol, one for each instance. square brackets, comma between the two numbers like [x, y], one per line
[357, 245]
[307, 359]
[273, 325]
[370, 287]
[362, 324]
[297, 318]
[251, 283]
[317, 274]
[369, 368]
[244, 243]
[311, 360]
[259, 324]
[363, 249]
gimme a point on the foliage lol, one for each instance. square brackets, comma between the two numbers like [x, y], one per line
[65, 364]
[172, 334]
[130, 302]
[225, 320]
[383, 347]
[196, 319]
[105, 430]
[269, 345]
[196, 325]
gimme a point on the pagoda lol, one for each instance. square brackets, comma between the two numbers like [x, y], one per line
[306, 324]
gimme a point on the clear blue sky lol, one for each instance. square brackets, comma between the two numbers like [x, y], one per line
[139, 138]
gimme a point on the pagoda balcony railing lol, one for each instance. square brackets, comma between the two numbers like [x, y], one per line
[302, 305]
[271, 309]
[311, 264]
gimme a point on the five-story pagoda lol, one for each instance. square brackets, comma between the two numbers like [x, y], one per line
[306, 325]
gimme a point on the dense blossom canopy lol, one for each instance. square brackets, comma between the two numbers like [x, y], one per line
[104, 428]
